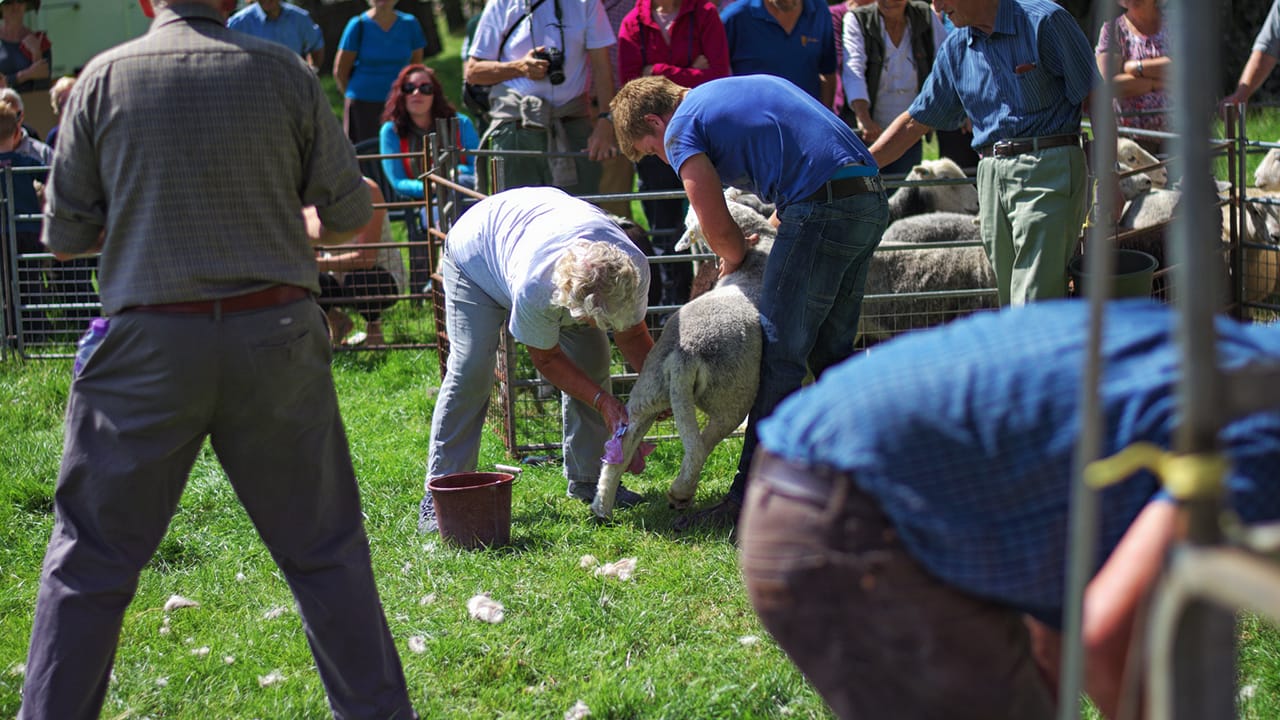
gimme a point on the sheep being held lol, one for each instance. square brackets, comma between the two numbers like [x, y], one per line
[708, 358]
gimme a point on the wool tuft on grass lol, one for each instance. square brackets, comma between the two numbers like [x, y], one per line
[485, 609]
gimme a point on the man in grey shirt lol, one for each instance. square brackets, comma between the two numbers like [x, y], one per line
[1262, 58]
[187, 156]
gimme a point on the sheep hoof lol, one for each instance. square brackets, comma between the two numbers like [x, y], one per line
[598, 512]
[676, 503]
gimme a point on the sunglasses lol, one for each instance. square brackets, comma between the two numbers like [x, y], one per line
[423, 89]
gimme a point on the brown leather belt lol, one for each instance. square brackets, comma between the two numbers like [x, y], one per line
[1020, 146]
[805, 482]
[844, 187]
[270, 297]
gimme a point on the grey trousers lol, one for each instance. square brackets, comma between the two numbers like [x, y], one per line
[258, 384]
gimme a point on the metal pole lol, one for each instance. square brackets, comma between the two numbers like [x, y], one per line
[1204, 664]
[1100, 263]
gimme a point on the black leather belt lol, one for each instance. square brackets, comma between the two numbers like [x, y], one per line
[805, 482]
[1019, 146]
[844, 187]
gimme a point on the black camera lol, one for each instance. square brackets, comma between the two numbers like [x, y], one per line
[555, 63]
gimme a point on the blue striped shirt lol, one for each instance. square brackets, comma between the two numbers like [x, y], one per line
[965, 436]
[1027, 78]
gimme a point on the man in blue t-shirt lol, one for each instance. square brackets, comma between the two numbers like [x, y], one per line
[284, 23]
[908, 512]
[1022, 71]
[763, 134]
[792, 39]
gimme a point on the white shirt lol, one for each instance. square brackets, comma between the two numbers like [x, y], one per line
[899, 79]
[508, 245]
[586, 27]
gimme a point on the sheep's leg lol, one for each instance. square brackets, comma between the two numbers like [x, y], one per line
[680, 496]
[611, 474]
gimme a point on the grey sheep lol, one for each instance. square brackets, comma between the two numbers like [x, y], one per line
[933, 227]
[708, 357]
[925, 269]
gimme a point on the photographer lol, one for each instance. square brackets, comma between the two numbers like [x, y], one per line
[537, 55]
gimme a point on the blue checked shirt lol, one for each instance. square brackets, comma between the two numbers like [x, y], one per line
[1027, 78]
[965, 437]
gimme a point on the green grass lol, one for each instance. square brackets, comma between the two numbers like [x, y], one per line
[665, 645]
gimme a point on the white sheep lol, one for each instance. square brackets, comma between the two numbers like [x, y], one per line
[1144, 226]
[708, 358]
[1267, 176]
[919, 199]
[1261, 266]
[1132, 156]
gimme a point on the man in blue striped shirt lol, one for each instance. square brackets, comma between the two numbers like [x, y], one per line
[1022, 71]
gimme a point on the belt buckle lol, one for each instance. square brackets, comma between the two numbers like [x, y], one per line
[1001, 146]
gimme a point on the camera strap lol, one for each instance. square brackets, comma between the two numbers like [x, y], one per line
[559, 25]
[529, 16]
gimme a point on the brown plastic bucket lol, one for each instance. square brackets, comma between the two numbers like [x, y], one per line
[473, 508]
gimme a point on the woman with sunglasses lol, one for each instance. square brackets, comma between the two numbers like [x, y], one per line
[415, 103]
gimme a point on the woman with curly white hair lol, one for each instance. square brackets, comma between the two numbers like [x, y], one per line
[560, 275]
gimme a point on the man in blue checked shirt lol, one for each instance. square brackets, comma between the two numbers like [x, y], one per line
[1022, 71]
[905, 531]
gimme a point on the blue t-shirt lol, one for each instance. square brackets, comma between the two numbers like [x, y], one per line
[759, 45]
[380, 54]
[764, 135]
[1027, 78]
[294, 27]
[965, 436]
[25, 201]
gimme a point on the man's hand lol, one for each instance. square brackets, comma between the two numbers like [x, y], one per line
[728, 267]
[603, 143]
[700, 63]
[530, 66]
[869, 130]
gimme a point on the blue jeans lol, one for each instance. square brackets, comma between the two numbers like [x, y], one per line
[812, 299]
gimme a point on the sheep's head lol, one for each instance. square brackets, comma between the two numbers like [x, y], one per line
[1131, 186]
[1267, 176]
[947, 198]
[1132, 156]
[750, 220]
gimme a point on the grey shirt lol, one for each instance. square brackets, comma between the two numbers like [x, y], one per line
[195, 147]
[1268, 40]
